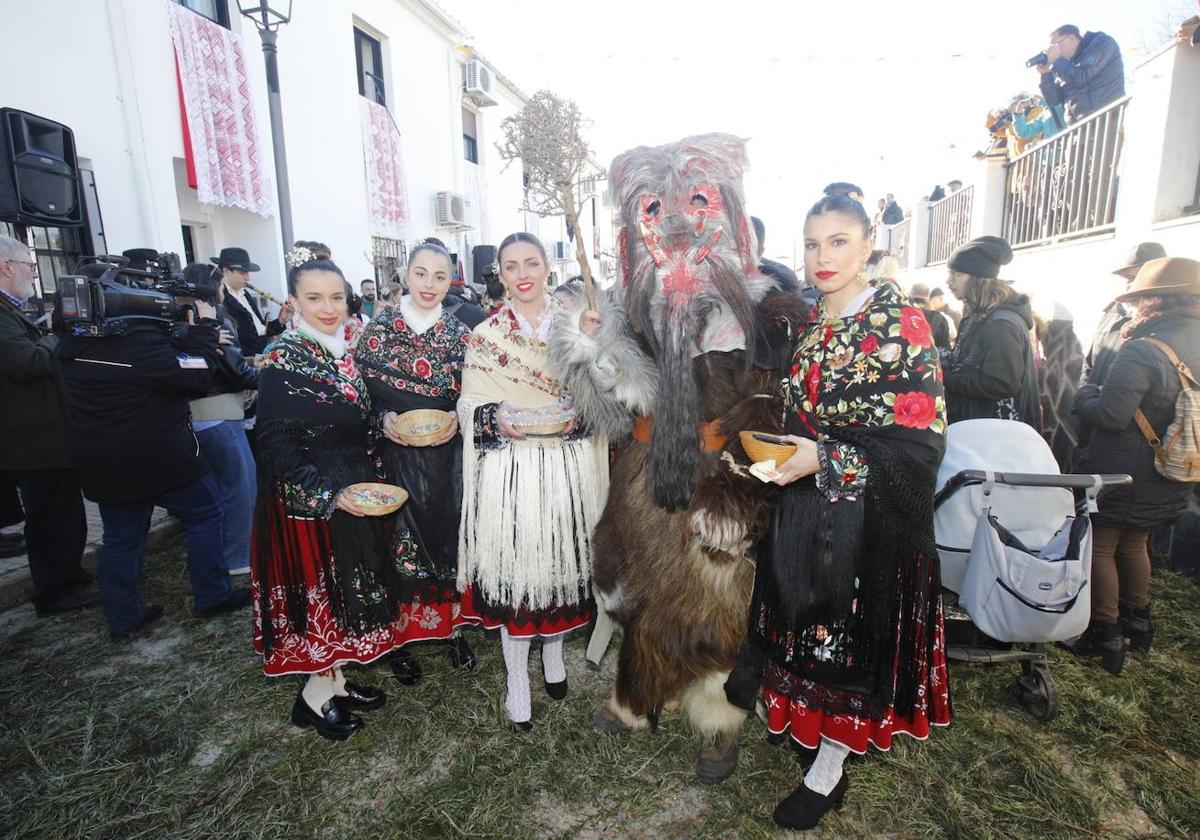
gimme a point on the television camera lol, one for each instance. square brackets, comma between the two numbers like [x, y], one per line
[108, 294]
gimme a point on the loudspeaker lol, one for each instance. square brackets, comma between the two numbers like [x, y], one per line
[482, 256]
[39, 176]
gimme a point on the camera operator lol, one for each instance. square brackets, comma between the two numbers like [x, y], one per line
[1082, 73]
[33, 444]
[217, 422]
[131, 440]
[254, 331]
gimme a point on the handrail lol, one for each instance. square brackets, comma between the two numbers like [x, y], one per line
[1116, 103]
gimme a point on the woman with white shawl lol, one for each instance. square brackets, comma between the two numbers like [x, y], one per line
[530, 501]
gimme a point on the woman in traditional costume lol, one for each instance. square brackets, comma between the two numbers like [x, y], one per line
[411, 357]
[529, 502]
[330, 584]
[846, 604]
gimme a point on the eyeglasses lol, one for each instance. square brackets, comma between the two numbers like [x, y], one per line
[30, 263]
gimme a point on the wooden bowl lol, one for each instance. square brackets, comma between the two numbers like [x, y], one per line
[423, 426]
[544, 429]
[760, 450]
[378, 499]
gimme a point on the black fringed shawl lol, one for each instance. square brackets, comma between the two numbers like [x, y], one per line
[314, 439]
[846, 587]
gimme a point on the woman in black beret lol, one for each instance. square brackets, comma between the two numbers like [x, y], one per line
[990, 371]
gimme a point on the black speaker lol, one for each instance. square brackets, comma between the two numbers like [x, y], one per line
[39, 176]
[482, 256]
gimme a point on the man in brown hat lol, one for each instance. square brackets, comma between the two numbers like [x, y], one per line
[1108, 340]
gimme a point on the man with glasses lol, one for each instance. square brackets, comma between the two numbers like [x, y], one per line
[33, 443]
[1082, 72]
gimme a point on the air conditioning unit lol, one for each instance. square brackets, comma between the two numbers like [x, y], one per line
[477, 83]
[562, 250]
[453, 210]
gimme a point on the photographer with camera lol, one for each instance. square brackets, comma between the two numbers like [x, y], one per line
[130, 365]
[33, 444]
[1081, 72]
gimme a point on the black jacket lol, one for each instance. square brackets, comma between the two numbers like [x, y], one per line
[247, 334]
[939, 326]
[465, 311]
[1106, 343]
[1089, 81]
[33, 413]
[128, 414]
[892, 214]
[990, 372]
[1141, 375]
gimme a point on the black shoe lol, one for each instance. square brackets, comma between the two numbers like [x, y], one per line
[1137, 627]
[521, 727]
[804, 807]
[153, 612]
[334, 722]
[406, 668]
[238, 599]
[71, 599]
[12, 545]
[1102, 640]
[361, 698]
[558, 690]
[461, 655]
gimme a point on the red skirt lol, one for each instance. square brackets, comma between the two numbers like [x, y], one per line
[787, 711]
[325, 643]
[522, 623]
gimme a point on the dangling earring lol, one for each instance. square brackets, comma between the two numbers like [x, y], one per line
[863, 279]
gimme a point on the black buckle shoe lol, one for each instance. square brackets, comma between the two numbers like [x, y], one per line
[334, 722]
[361, 698]
[558, 690]
[804, 807]
[405, 667]
[461, 655]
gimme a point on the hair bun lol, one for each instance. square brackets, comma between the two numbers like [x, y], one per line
[319, 250]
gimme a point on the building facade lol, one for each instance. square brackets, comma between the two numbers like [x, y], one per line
[370, 90]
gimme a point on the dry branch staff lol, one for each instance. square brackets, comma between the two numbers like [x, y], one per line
[529, 503]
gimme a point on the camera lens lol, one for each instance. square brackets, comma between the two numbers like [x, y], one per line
[1040, 58]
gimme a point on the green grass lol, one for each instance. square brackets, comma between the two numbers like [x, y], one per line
[178, 732]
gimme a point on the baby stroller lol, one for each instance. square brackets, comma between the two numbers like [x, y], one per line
[1014, 539]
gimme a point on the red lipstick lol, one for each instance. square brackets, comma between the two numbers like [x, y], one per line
[826, 275]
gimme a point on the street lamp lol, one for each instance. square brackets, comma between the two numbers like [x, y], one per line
[268, 16]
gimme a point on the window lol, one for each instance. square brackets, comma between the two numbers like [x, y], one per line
[215, 10]
[368, 54]
[470, 136]
[389, 257]
[56, 250]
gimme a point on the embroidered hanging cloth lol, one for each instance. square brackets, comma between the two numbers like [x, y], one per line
[221, 143]
[387, 198]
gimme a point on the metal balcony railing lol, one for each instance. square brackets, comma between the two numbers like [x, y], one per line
[949, 224]
[1066, 187]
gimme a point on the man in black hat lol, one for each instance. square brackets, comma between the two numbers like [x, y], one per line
[254, 331]
[1108, 339]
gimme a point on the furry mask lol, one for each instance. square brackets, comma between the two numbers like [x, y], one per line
[690, 280]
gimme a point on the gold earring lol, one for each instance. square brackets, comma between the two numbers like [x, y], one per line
[863, 279]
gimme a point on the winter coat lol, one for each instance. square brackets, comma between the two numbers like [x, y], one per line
[990, 372]
[131, 430]
[1106, 343]
[892, 214]
[33, 409]
[1092, 79]
[1141, 375]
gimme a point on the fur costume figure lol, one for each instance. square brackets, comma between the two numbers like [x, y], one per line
[690, 351]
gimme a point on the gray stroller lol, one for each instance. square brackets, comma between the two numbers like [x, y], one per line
[1014, 540]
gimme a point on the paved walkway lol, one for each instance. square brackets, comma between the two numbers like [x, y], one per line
[14, 571]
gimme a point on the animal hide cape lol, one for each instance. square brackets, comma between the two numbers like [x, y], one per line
[690, 344]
